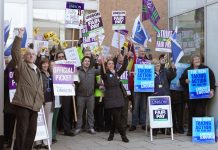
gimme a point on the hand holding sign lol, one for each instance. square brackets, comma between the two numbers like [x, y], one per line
[211, 93]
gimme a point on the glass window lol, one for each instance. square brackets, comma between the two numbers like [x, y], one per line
[190, 32]
[179, 6]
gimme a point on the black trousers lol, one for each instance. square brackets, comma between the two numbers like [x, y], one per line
[116, 121]
[25, 128]
[67, 104]
[124, 113]
[197, 108]
[99, 114]
[178, 106]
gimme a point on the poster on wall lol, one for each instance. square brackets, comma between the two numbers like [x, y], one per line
[94, 24]
[74, 15]
[199, 83]
[63, 78]
[118, 20]
[144, 78]
[203, 130]
[163, 42]
[160, 114]
[175, 83]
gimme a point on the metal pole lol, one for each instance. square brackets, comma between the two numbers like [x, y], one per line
[2, 72]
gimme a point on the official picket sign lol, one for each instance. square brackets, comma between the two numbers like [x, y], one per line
[144, 78]
[118, 20]
[63, 73]
[203, 130]
[160, 114]
[74, 15]
[12, 85]
[163, 42]
[94, 24]
[124, 80]
[199, 83]
[175, 84]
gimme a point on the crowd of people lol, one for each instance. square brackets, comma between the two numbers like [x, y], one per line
[102, 103]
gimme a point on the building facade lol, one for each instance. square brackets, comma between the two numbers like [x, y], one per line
[197, 24]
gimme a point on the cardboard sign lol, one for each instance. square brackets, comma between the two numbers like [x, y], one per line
[160, 113]
[72, 54]
[41, 46]
[144, 78]
[163, 42]
[118, 20]
[41, 131]
[116, 40]
[199, 83]
[63, 73]
[203, 130]
[74, 15]
[175, 83]
[124, 80]
[94, 24]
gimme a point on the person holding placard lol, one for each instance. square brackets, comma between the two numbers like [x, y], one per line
[29, 96]
[140, 98]
[114, 96]
[197, 106]
[163, 78]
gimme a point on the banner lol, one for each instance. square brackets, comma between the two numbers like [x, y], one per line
[163, 42]
[74, 15]
[116, 40]
[139, 34]
[160, 113]
[12, 85]
[203, 130]
[41, 46]
[118, 20]
[94, 24]
[199, 83]
[144, 78]
[72, 54]
[124, 80]
[63, 73]
[175, 83]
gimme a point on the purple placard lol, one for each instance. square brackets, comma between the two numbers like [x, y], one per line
[159, 101]
[63, 73]
[73, 5]
[142, 61]
[119, 17]
[12, 84]
[94, 21]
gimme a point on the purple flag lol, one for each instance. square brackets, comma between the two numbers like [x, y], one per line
[149, 11]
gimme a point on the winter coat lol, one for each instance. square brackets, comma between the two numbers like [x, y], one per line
[29, 91]
[113, 96]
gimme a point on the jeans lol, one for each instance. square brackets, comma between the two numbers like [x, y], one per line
[139, 111]
[89, 104]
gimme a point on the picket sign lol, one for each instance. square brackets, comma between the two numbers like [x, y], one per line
[41, 131]
[160, 114]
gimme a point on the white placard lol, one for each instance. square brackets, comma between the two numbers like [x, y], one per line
[115, 40]
[72, 54]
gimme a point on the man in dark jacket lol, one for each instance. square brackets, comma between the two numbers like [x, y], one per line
[29, 97]
[85, 94]
[197, 107]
